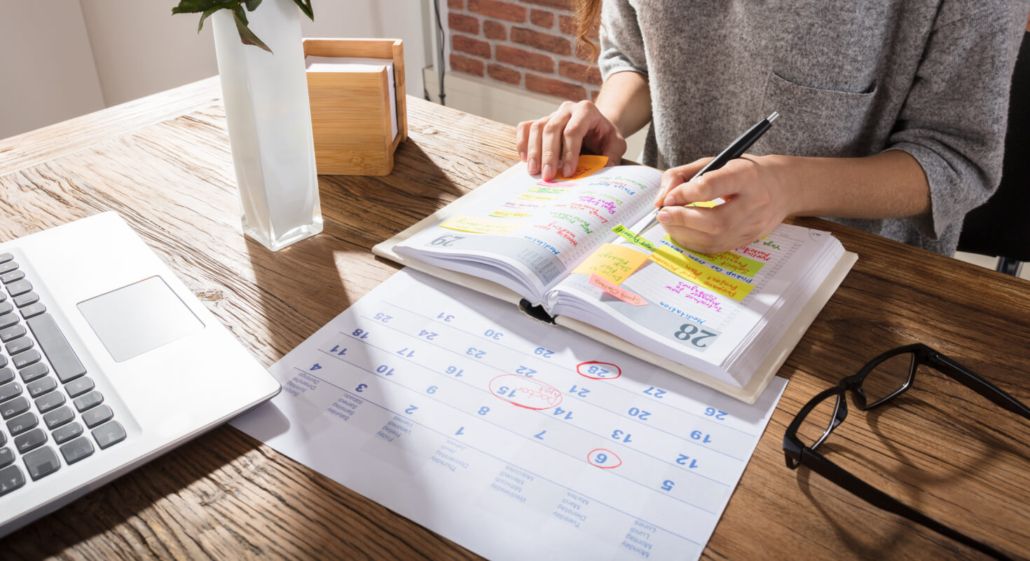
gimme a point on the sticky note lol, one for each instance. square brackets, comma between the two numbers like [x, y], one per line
[617, 291]
[634, 239]
[585, 166]
[481, 225]
[701, 275]
[727, 260]
[614, 263]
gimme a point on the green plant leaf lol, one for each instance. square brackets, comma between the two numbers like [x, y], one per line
[214, 8]
[252, 5]
[194, 6]
[246, 35]
[305, 6]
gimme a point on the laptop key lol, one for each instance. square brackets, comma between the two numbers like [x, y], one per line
[6, 375]
[21, 360]
[3, 438]
[12, 276]
[7, 267]
[22, 423]
[79, 386]
[12, 332]
[97, 415]
[67, 432]
[50, 401]
[33, 310]
[30, 440]
[16, 406]
[11, 478]
[6, 308]
[8, 319]
[41, 386]
[88, 401]
[7, 391]
[19, 287]
[62, 357]
[5, 257]
[6, 457]
[33, 372]
[58, 417]
[76, 450]
[25, 299]
[41, 463]
[18, 345]
[109, 434]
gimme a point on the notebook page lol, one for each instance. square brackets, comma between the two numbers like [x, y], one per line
[540, 230]
[685, 305]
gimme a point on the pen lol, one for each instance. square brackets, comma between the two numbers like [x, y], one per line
[734, 150]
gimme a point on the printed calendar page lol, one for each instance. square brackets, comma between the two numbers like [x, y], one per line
[514, 438]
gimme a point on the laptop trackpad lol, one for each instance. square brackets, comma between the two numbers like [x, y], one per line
[138, 318]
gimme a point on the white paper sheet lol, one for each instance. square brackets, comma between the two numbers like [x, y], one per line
[517, 439]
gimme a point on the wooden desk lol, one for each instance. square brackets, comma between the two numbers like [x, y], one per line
[163, 163]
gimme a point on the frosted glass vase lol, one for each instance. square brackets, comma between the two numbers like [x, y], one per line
[269, 118]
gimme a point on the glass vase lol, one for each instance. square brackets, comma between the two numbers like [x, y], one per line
[269, 119]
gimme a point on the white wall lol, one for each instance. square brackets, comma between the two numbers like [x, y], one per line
[46, 69]
[140, 48]
[63, 58]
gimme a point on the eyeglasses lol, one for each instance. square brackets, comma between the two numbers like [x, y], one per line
[880, 381]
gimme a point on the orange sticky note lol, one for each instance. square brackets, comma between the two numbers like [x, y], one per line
[617, 291]
[585, 166]
[615, 263]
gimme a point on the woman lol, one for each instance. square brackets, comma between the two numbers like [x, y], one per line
[893, 112]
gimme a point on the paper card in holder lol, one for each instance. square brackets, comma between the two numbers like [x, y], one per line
[356, 88]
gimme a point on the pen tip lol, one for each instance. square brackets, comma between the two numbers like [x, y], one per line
[775, 115]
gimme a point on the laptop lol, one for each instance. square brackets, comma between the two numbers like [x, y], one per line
[106, 361]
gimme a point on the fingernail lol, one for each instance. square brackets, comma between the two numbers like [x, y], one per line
[548, 171]
[664, 215]
[569, 170]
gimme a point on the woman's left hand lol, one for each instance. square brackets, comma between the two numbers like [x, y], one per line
[756, 201]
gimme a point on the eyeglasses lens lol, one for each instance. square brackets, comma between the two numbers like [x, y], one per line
[818, 423]
[887, 378]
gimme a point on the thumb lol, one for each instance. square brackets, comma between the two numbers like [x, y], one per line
[674, 177]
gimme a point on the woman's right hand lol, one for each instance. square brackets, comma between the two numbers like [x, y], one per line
[551, 145]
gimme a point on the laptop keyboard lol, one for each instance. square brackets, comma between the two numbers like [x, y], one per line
[51, 418]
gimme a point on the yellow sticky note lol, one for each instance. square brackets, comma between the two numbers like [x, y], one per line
[728, 261]
[611, 262]
[481, 225]
[585, 166]
[694, 272]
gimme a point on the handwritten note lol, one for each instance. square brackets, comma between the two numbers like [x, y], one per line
[481, 225]
[692, 271]
[729, 261]
[614, 263]
[515, 439]
[633, 238]
[616, 291]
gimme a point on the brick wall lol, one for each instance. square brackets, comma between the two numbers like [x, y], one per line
[529, 44]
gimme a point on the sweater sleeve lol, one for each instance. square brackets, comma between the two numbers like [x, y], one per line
[953, 121]
[622, 46]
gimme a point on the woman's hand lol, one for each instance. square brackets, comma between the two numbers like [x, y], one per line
[551, 145]
[756, 197]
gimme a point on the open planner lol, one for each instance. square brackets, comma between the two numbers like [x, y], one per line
[565, 252]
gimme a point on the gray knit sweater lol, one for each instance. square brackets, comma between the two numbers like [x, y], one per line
[849, 78]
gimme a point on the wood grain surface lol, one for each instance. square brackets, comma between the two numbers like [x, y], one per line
[164, 164]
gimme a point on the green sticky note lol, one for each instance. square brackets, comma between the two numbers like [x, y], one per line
[632, 238]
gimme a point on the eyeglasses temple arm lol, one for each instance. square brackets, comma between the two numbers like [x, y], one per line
[874, 496]
[978, 384]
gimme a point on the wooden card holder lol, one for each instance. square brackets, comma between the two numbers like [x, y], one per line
[350, 111]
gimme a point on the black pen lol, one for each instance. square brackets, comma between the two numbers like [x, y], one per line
[734, 150]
